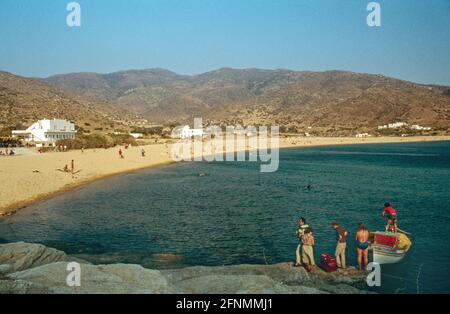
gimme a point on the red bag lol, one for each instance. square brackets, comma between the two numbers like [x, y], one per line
[328, 263]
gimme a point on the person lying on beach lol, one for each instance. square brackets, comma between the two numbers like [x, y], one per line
[362, 245]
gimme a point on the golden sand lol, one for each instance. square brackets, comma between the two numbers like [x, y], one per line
[27, 178]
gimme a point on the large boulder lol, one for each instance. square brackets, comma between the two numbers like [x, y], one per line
[34, 268]
[114, 279]
[20, 256]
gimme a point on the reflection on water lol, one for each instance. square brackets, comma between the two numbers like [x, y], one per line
[238, 215]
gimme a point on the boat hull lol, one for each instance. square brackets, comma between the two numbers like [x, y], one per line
[385, 255]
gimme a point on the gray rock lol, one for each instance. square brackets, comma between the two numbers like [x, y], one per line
[34, 268]
[9, 286]
[282, 272]
[20, 256]
[23, 256]
[240, 284]
[5, 268]
[114, 279]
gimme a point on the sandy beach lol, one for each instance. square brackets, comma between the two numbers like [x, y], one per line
[30, 177]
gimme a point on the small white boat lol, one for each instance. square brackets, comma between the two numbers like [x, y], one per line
[388, 247]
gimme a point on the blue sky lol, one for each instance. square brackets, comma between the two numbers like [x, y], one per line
[195, 36]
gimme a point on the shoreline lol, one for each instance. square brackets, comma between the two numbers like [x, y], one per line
[15, 207]
[108, 166]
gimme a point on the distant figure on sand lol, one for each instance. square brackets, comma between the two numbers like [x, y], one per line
[391, 214]
[72, 166]
[362, 245]
[341, 244]
[143, 152]
[120, 153]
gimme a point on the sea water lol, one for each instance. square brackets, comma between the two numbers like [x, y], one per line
[236, 214]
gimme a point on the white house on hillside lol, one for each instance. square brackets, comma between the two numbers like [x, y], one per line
[47, 132]
[420, 128]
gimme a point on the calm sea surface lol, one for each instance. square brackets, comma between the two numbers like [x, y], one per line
[238, 215]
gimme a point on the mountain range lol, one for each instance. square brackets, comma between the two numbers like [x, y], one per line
[25, 100]
[331, 102]
[326, 100]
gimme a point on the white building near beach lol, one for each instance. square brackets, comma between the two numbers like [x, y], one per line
[46, 132]
[137, 135]
[186, 132]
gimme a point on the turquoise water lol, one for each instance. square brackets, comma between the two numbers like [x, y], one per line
[238, 215]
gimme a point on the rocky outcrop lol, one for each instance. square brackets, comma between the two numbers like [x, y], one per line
[116, 278]
[20, 256]
[34, 268]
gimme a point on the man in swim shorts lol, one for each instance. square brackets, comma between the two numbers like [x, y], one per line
[391, 214]
[362, 245]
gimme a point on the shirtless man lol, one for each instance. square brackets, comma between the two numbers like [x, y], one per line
[362, 245]
[391, 214]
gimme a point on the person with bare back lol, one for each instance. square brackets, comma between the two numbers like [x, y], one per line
[362, 245]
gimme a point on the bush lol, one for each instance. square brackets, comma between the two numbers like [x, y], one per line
[157, 130]
[6, 131]
[97, 141]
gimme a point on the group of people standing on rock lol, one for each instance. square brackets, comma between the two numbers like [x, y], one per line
[305, 253]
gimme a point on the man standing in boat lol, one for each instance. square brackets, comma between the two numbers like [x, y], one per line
[391, 215]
